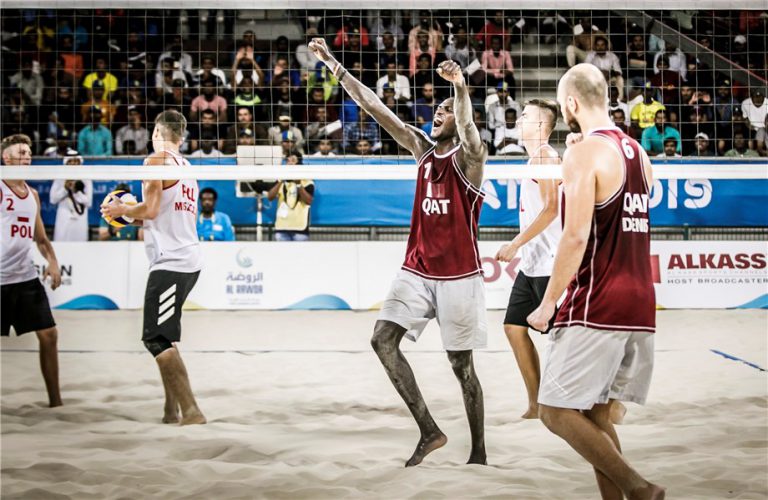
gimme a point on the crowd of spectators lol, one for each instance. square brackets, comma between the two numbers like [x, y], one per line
[93, 81]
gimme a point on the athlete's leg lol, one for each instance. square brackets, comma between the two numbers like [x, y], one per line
[464, 369]
[171, 407]
[528, 362]
[386, 343]
[49, 364]
[599, 449]
[175, 377]
[600, 415]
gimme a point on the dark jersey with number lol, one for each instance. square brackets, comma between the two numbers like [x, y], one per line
[442, 244]
[613, 289]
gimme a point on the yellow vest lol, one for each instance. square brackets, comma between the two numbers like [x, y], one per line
[292, 213]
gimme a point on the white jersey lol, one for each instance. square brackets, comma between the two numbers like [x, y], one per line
[17, 218]
[538, 255]
[170, 239]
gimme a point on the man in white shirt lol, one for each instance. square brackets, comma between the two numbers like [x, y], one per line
[755, 109]
[135, 132]
[73, 199]
[670, 149]
[207, 149]
[497, 104]
[677, 60]
[324, 149]
[607, 62]
[396, 81]
[507, 138]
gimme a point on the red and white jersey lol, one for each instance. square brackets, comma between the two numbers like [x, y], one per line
[442, 244]
[537, 257]
[613, 289]
[170, 239]
[17, 218]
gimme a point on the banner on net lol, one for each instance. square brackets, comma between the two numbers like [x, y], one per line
[674, 202]
[357, 275]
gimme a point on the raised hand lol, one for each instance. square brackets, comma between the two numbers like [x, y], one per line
[451, 71]
[321, 50]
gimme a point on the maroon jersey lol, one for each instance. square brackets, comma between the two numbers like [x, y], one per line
[443, 240]
[613, 289]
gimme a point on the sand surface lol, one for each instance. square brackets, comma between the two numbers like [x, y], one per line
[299, 407]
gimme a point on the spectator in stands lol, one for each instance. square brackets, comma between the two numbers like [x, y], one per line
[275, 134]
[316, 103]
[208, 99]
[281, 49]
[178, 99]
[741, 148]
[29, 82]
[383, 24]
[619, 119]
[209, 71]
[424, 107]
[63, 104]
[355, 50]
[702, 145]
[432, 27]
[347, 32]
[20, 123]
[135, 132]
[245, 65]
[79, 34]
[677, 59]
[507, 138]
[127, 233]
[245, 48]
[55, 79]
[653, 138]
[583, 41]
[107, 79]
[424, 74]
[288, 143]
[294, 199]
[248, 95]
[667, 81]
[72, 198]
[460, 50]
[670, 149]
[245, 122]
[282, 97]
[755, 108]
[95, 139]
[305, 57]
[175, 53]
[207, 148]
[494, 27]
[167, 76]
[324, 149]
[208, 126]
[643, 115]
[761, 139]
[389, 54]
[497, 105]
[724, 101]
[639, 62]
[697, 121]
[72, 61]
[283, 70]
[615, 103]
[726, 131]
[607, 62]
[497, 65]
[99, 100]
[395, 80]
[211, 224]
[320, 129]
[363, 128]
[485, 134]
[63, 145]
[363, 147]
[422, 47]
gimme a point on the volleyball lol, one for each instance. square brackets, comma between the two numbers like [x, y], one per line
[125, 197]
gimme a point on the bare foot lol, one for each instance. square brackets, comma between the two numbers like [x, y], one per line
[617, 412]
[650, 492]
[192, 417]
[54, 404]
[477, 458]
[532, 412]
[425, 447]
[171, 418]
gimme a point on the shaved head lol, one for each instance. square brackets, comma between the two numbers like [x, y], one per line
[585, 83]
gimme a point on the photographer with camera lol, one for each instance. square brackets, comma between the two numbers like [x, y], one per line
[294, 198]
[73, 198]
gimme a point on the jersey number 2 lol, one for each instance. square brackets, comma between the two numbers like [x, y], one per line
[10, 205]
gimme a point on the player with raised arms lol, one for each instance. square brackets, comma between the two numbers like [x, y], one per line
[24, 304]
[601, 344]
[442, 274]
[168, 213]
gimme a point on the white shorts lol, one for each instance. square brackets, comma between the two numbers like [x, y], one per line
[458, 305]
[584, 367]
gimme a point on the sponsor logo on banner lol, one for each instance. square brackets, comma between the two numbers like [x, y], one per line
[244, 286]
[494, 270]
[711, 268]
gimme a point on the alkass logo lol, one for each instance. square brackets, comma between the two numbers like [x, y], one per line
[717, 261]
